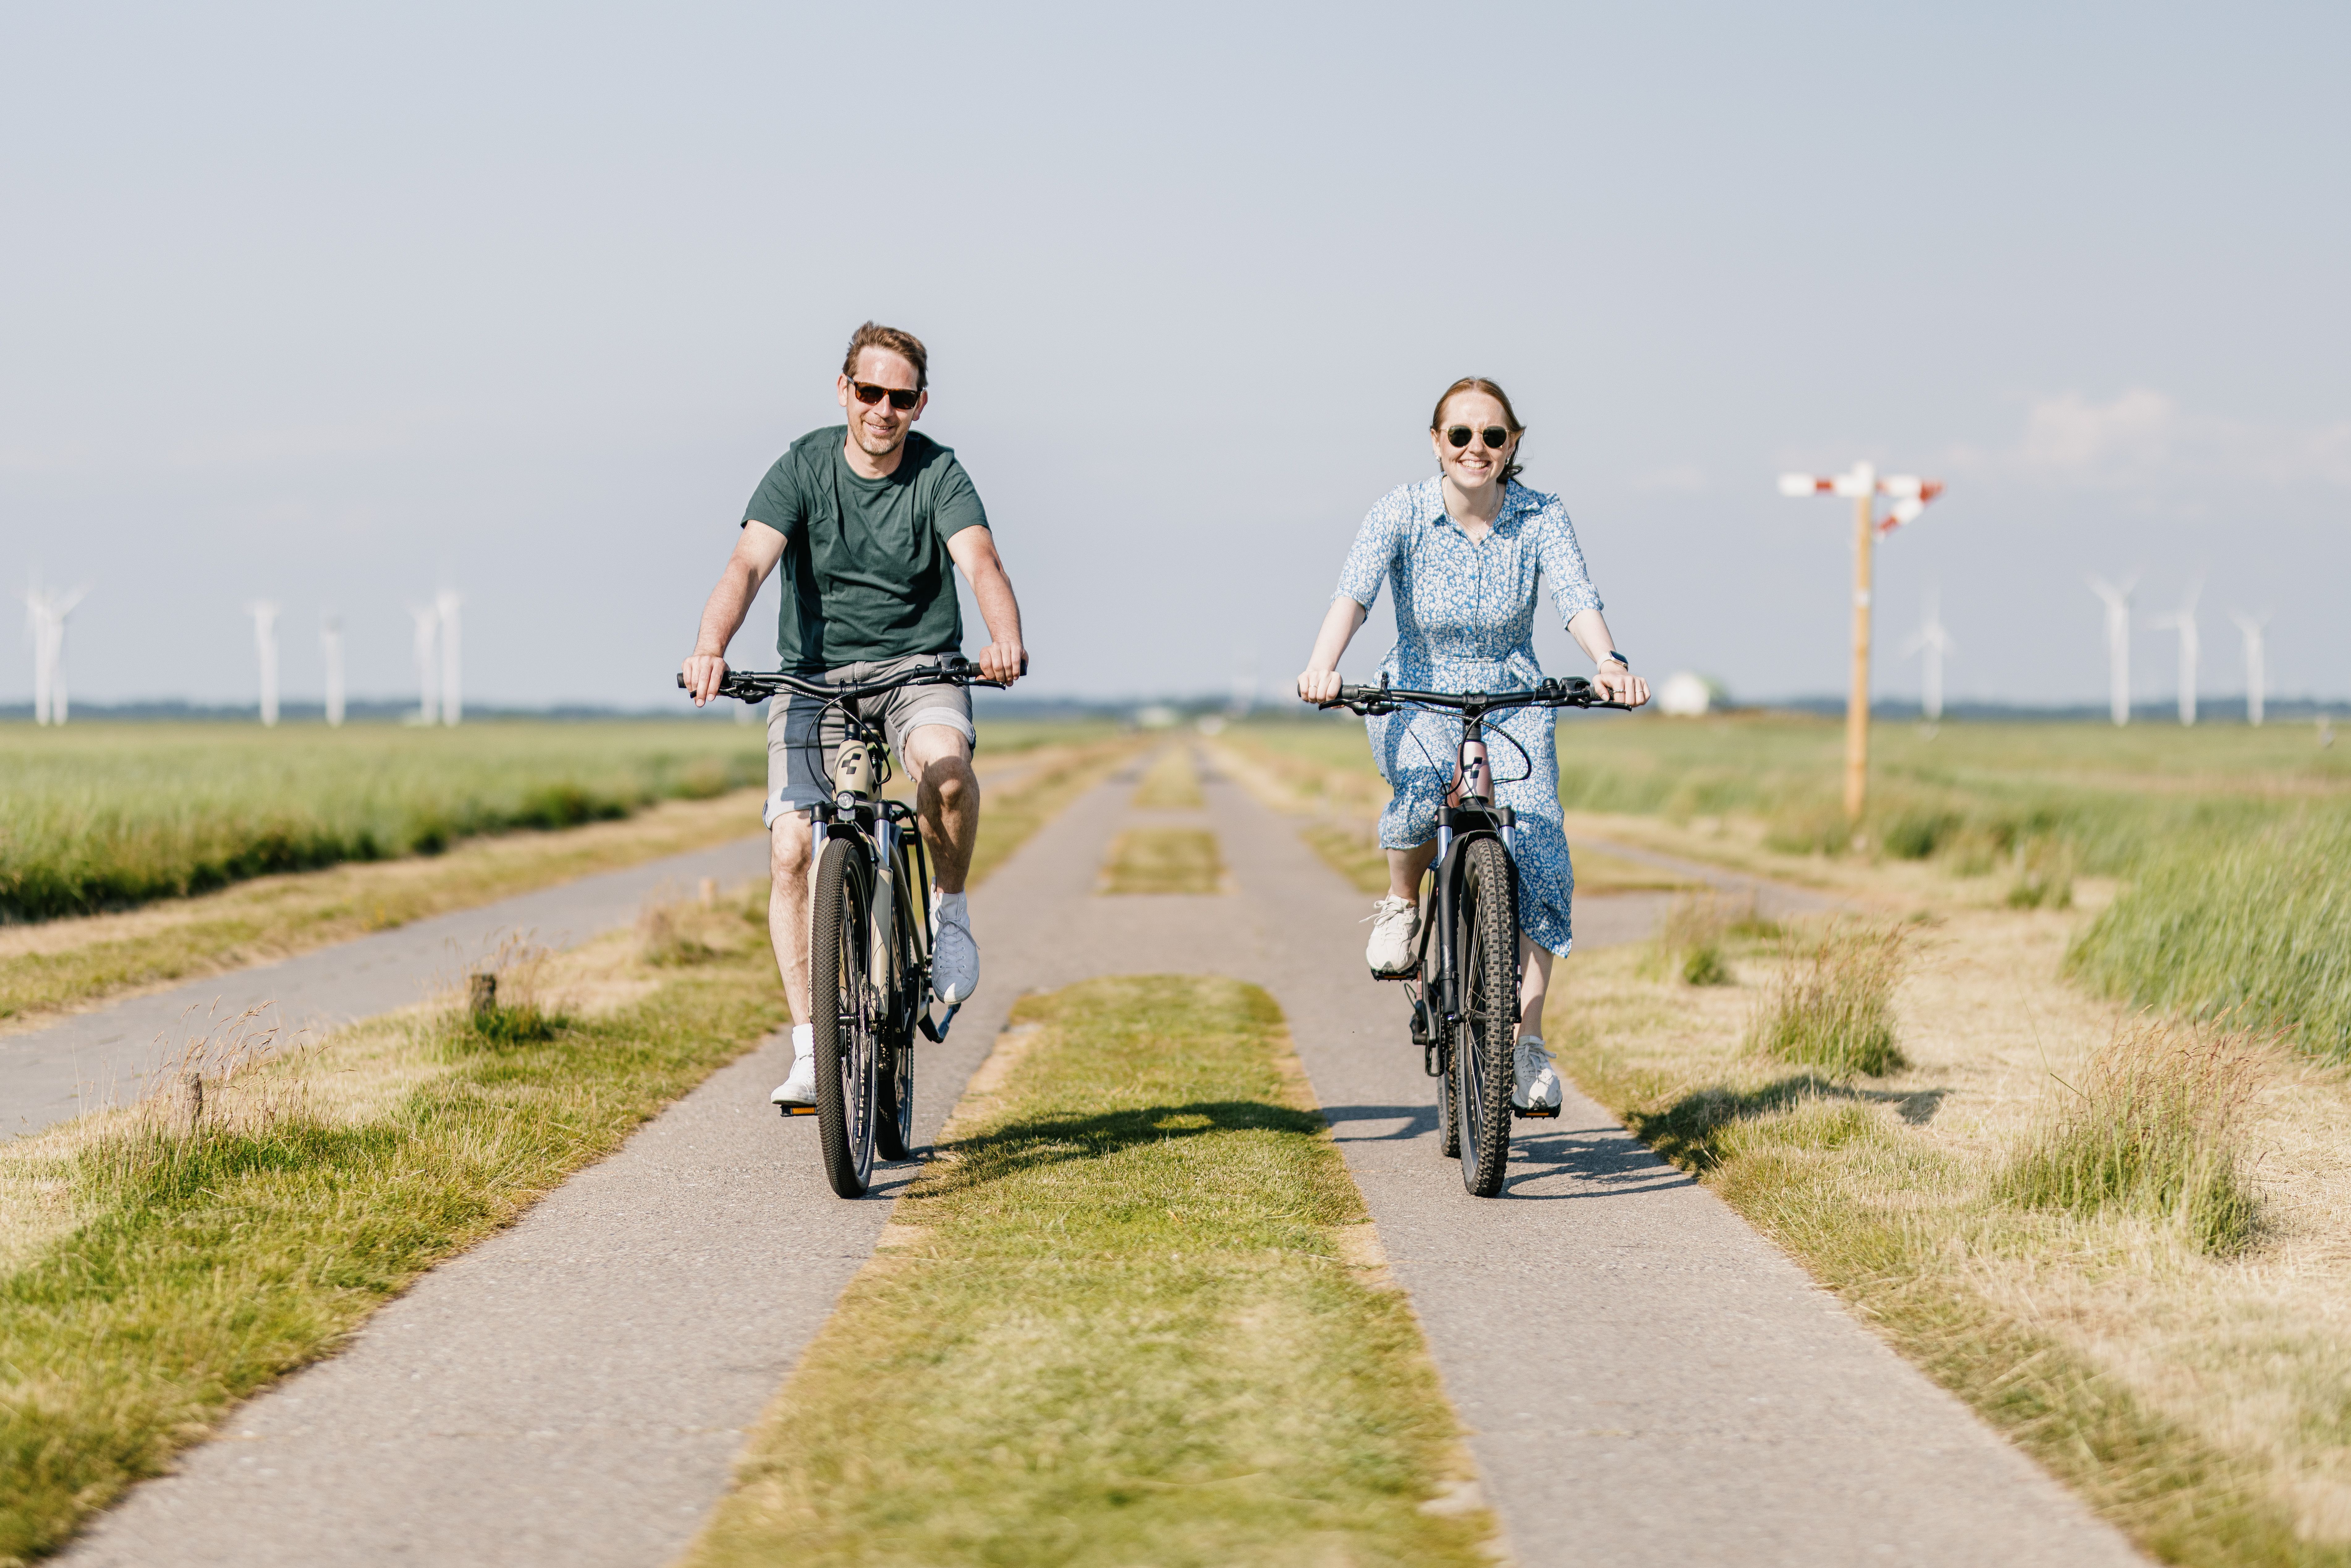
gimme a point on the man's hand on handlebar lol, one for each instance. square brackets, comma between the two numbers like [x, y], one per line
[1319, 686]
[700, 674]
[1006, 662]
[1619, 685]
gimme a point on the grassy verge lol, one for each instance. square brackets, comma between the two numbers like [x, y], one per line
[2127, 1245]
[68, 962]
[2259, 933]
[108, 816]
[1120, 1320]
[157, 1271]
[1163, 860]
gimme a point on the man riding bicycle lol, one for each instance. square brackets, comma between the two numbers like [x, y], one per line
[870, 520]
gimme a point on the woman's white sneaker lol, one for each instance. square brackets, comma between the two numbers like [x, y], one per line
[1395, 931]
[1538, 1092]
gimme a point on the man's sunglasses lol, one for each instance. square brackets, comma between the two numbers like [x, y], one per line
[1496, 436]
[870, 394]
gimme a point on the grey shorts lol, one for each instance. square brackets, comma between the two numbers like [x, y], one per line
[804, 732]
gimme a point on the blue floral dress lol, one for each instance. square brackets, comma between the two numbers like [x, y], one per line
[1464, 617]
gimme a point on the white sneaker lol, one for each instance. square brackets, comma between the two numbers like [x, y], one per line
[955, 957]
[1396, 935]
[1537, 1093]
[799, 1089]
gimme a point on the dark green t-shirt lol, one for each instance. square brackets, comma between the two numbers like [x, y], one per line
[866, 569]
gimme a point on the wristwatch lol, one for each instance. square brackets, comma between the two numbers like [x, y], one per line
[1620, 658]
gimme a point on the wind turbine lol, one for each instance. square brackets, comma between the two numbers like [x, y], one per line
[48, 609]
[264, 642]
[1931, 639]
[428, 690]
[330, 644]
[452, 704]
[2117, 642]
[2257, 672]
[2184, 622]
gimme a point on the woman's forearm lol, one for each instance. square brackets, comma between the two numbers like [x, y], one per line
[1339, 629]
[1590, 634]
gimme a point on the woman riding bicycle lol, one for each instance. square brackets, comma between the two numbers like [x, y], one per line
[1465, 549]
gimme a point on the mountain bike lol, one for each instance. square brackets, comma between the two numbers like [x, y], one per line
[870, 932]
[1464, 981]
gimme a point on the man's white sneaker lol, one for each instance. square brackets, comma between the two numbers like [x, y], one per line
[799, 1089]
[1395, 931]
[1538, 1092]
[955, 957]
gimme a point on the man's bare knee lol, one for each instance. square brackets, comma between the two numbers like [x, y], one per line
[788, 849]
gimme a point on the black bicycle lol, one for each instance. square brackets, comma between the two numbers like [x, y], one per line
[1464, 982]
[870, 932]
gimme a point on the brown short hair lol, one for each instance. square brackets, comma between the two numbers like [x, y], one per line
[874, 335]
[1509, 415]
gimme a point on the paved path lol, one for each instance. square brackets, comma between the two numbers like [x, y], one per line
[1646, 1379]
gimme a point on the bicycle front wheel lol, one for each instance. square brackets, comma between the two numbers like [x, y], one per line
[1487, 941]
[842, 1006]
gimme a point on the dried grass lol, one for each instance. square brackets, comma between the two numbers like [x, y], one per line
[1833, 1004]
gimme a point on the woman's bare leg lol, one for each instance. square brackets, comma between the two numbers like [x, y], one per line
[1534, 984]
[1404, 869]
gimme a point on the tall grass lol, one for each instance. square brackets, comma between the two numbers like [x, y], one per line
[2257, 931]
[2153, 1129]
[1833, 1004]
[1698, 926]
[110, 815]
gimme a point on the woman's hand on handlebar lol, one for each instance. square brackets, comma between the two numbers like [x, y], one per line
[1319, 686]
[703, 672]
[1619, 685]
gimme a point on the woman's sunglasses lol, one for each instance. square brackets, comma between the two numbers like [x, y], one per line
[1495, 435]
[900, 399]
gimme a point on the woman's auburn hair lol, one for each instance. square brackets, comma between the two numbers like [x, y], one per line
[1509, 414]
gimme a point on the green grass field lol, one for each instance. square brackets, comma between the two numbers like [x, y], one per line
[108, 816]
[2234, 845]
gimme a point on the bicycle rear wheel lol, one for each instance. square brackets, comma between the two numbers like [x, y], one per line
[1487, 940]
[894, 1119]
[842, 1005]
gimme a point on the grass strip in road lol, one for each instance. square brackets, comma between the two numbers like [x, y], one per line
[1171, 784]
[1164, 860]
[152, 1273]
[1119, 1320]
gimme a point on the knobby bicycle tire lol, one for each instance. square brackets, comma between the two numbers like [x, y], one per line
[1487, 942]
[841, 1002]
[894, 1116]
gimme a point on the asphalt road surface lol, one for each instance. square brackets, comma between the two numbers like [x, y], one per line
[1645, 1377]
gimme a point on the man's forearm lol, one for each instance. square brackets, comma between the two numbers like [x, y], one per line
[722, 617]
[993, 591]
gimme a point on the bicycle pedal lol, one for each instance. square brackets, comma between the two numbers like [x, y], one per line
[797, 1110]
[1538, 1114]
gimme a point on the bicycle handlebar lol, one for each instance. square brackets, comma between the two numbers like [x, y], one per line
[1574, 692]
[757, 686]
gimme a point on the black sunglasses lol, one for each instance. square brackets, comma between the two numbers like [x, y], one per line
[870, 394]
[1496, 436]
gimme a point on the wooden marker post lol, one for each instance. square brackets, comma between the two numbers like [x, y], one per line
[1861, 486]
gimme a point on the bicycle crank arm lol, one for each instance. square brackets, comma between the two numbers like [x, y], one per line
[937, 1033]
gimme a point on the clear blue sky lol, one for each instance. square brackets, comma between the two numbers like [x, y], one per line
[329, 306]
